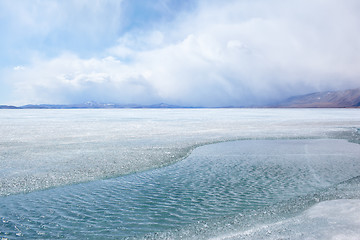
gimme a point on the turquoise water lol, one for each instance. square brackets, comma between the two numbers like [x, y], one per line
[220, 189]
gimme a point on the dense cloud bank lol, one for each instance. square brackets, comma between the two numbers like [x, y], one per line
[219, 53]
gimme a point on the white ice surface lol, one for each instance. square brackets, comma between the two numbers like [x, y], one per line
[328, 220]
[46, 148]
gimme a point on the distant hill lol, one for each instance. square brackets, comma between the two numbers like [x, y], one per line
[8, 107]
[92, 105]
[329, 99]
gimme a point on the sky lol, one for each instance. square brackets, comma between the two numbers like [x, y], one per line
[205, 53]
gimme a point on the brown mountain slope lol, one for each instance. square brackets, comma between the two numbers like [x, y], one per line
[334, 99]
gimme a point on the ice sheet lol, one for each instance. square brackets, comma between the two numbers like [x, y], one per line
[46, 148]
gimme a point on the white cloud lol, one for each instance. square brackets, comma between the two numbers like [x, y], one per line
[69, 79]
[225, 53]
[19, 68]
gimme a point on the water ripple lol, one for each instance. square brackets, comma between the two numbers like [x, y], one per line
[216, 181]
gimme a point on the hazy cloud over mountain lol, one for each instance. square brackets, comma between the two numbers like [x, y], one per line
[208, 53]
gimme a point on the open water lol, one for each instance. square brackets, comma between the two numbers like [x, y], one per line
[180, 174]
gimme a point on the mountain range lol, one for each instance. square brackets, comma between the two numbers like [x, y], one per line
[330, 99]
[92, 105]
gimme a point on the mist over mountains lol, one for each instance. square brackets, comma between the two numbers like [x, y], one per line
[329, 99]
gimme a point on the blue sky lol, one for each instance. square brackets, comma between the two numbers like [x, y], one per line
[185, 52]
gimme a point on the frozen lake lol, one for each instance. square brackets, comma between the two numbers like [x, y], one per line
[152, 172]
